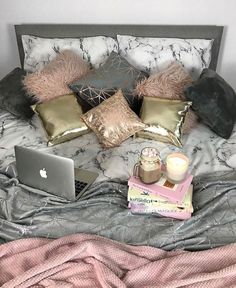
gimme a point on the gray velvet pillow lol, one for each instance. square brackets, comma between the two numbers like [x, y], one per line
[214, 101]
[101, 83]
[13, 97]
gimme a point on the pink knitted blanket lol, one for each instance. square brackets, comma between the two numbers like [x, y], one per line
[91, 261]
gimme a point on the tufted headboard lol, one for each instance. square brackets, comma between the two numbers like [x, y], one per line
[84, 30]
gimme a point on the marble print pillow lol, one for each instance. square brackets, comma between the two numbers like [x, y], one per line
[40, 51]
[155, 54]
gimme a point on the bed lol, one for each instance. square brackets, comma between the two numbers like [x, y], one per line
[26, 212]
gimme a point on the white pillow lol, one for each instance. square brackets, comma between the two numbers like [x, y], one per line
[155, 54]
[40, 51]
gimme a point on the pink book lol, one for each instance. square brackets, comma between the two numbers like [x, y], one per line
[138, 208]
[174, 192]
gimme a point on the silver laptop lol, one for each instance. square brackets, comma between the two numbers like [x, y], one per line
[51, 173]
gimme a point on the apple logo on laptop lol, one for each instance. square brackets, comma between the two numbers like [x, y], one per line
[43, 173]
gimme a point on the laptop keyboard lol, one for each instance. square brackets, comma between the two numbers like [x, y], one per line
[79, 186]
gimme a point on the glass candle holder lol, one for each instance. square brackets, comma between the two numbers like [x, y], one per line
[176, 167]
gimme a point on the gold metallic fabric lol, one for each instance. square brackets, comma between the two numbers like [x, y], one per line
[61, 119]
[164, 118]
[113, 121]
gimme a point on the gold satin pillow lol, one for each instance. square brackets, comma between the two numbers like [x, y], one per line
[113, 121]
[164, 118]
[61, 119]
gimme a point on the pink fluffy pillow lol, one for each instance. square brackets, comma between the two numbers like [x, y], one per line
[170, 84]
[53, 80]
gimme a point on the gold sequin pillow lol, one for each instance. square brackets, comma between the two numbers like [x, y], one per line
[113, 121]
[164, 118]
[61, 119]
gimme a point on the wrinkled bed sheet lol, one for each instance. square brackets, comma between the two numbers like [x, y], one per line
[27, 212]
[92, 261]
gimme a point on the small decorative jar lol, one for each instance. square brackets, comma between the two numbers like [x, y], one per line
[148, 169]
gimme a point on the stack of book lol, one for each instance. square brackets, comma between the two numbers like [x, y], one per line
[162, 198]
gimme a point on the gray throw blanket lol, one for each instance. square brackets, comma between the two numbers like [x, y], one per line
[27, 212]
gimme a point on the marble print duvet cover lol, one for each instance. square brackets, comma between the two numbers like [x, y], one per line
[207, 151]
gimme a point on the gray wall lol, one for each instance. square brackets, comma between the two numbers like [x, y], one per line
[212, 12]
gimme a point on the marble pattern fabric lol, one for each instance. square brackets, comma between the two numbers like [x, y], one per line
[207, 151]
[40, 51]
[155, 54]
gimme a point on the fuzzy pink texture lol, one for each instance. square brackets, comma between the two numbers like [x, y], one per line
[169, 84]
[53, 80]
[84, 260]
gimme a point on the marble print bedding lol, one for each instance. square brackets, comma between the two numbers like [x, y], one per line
[207, 151]
[40, 51]
[155, 54]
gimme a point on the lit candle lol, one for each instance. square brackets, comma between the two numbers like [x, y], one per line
[176, 167]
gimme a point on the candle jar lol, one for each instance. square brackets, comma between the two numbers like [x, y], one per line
[148, 169]
[176, 167]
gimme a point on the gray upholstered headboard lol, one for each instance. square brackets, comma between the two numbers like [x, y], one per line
[84, 30]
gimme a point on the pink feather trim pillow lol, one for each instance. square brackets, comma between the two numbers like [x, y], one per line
[53, 80]
[169, 84]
